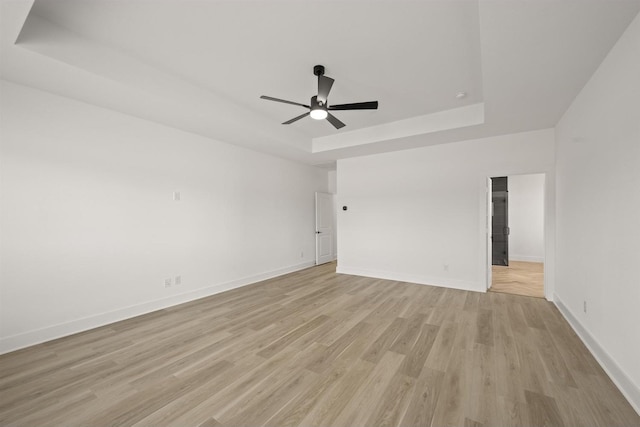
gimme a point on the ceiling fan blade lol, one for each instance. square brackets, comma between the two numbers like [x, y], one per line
[371, 105]
[334, 121]
[295, 119]
[270, 98]
[324, 87]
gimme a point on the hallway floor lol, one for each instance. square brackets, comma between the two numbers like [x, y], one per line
[519, 278]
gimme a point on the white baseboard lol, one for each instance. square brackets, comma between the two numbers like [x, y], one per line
[626, 386]
[38, 336]
[412, 278]
[526, 258]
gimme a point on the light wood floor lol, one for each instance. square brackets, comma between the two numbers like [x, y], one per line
[315, 348]
[519, 278]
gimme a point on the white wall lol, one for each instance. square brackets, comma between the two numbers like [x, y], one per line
[333, 189]
[526, 217]
[332, 181]
[420, 215]
[90, 230]
[598, 213]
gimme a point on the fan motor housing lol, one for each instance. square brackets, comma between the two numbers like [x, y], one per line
[318, 70]
[315, 104]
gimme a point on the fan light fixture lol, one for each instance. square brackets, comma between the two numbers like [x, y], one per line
[319, 107]
[319, 114]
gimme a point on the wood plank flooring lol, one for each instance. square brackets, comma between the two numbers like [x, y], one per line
[519, 278]
[315, 348]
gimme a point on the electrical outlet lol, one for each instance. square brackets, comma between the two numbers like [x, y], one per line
[167, 283]
[584, 306]
[445, 267]
[178, 280]
[176, 196]
[301, 254]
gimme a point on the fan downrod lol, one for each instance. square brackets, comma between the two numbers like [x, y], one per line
[318, 70]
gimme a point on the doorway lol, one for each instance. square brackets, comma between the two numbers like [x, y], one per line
[517, 235]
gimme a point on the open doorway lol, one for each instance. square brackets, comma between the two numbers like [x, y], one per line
[516, 235]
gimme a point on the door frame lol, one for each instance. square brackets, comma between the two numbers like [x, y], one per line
[489, 230]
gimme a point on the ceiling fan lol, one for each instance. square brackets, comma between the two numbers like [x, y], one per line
[319, 108]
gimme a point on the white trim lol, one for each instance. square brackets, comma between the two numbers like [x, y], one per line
[38, 336]
[411, 278]
[486, 215]
[624, 383]
[526, 258]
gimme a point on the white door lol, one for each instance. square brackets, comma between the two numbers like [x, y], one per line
[324, 228]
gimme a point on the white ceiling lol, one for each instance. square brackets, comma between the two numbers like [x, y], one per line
[201, 66]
